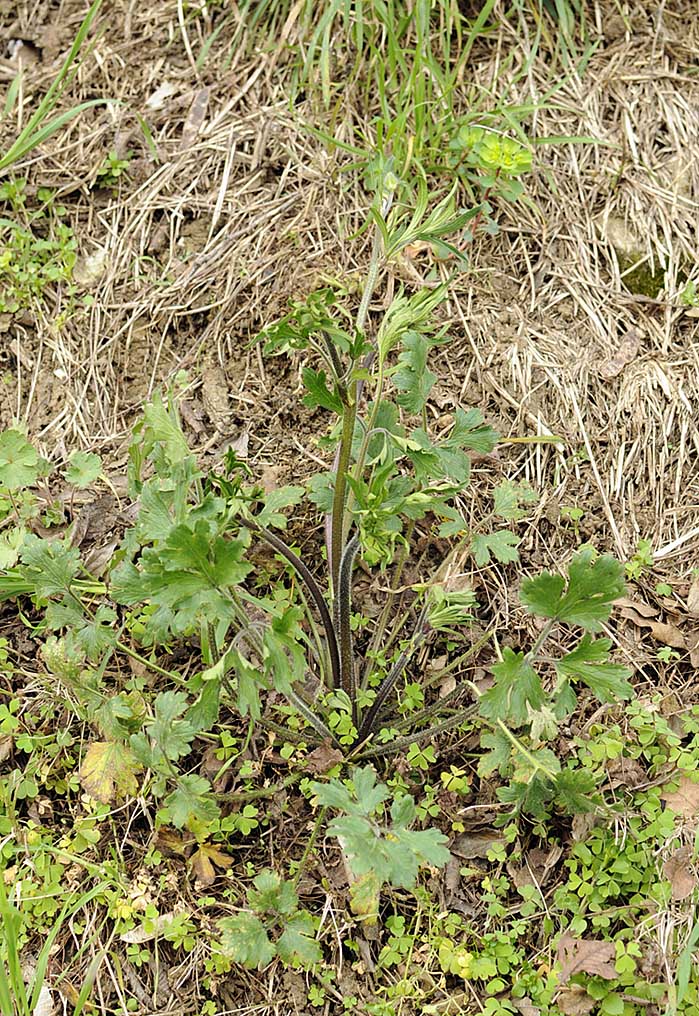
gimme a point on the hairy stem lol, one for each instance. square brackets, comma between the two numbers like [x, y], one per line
[314, 590]
[390, 681]
[420, 735]
[343, 626]
[380, 631]
[340, 494]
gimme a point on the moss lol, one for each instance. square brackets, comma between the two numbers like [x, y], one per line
[641, 280]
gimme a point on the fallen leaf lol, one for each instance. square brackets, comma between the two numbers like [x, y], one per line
[90, 268]
[206, 859]
[171, 842]
[679, 874]
[109, 771]
[684, 800]
[638, 606]
[135, 936]
[195, 118]
[693, 597]
[525, 1007]
[575, 1001]
[585, 955]
[157, 99]
[626, 352]
[323, 758]
[693, 646]
[537, 867]
[214, 396]
[476, 844]
[582, 825]
[447, 686]
[640, 614]
[626, 772]
[44, 1003]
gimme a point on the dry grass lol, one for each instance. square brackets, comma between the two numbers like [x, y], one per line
[244, 207]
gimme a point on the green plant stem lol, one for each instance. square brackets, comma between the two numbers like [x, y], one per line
[311, 843]
[340, 520]
[518, 746]
[302, 707]
[543, 635]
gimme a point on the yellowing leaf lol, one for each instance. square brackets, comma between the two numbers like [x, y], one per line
[364, 898]
[205, 858]
[109, 771]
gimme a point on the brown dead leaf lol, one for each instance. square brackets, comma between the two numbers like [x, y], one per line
[626, 352]
[644, 609]
[323, 758]
[525, 1007]
[693, 597]
[537, 867]
[477, 843]
[575, 1001]
[678, 872]
[683, 799]
[585, 955]
[206, 859]
[583, 824]
[195, 118]
[626, 772]
[640, 614]
[447, 686]
[214, 396]
[170, 841]
[693, 646]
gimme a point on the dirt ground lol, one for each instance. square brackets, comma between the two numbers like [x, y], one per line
[569, 322]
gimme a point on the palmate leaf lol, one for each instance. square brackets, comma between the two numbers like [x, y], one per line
[589, 663]
[296, 943]
[394, 854]
[186, 577]
[191, 801]
[50, 566]
[108, 771]
[507, 498]
[283, 497]
[245, 940]
[501, 545]
[586, 599]
[319, 395]
[84, 469]
[272, 894]
[19, 461]
[449, 459]
[516, 692]
[412, 377]
[283, 654]
[360, 796]
[171, 734]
